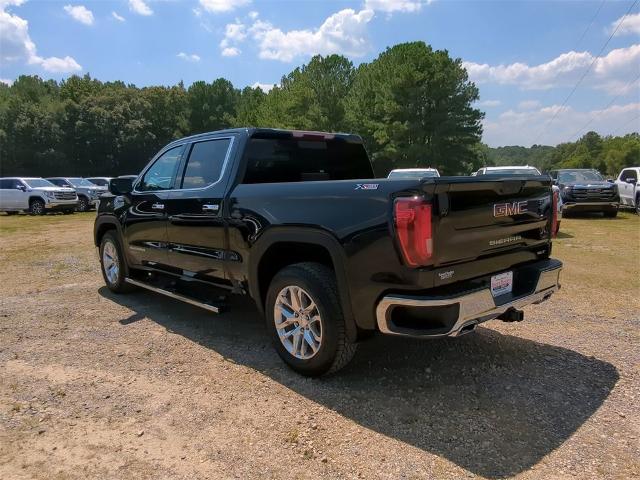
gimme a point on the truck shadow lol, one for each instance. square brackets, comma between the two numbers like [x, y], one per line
[491, 403]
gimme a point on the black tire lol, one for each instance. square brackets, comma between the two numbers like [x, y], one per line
[638, 204]
[117, 284]
[36, 207]
[318, 281]
[83, 204]
[610, 213]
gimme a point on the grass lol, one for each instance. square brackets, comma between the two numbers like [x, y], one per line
[600, 257]
[29, 223]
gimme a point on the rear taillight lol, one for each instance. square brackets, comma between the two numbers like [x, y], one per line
[554, 218]
[413, 228]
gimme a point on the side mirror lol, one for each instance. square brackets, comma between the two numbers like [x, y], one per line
[22, 188]
[631, 180]
[121, 186]
[554, 181]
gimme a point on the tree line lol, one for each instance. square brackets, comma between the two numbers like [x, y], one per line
[413, 106]
[609, 154]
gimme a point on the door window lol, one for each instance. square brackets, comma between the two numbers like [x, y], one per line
[161, 174]
[6, 184]
[204, 166]
[627, 174]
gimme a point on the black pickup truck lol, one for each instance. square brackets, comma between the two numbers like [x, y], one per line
[328, 254]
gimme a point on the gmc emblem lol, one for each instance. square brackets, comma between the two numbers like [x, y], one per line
[508, 209]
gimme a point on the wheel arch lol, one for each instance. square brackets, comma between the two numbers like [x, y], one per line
[32, 198]
[102, 225]
[285, 246]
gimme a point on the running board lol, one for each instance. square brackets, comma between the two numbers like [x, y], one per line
[177, 296]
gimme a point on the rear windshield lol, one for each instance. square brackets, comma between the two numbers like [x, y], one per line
[413, 174]
[287, 159]
[513, 171]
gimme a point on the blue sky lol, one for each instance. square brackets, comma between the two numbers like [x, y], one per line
[525, 57]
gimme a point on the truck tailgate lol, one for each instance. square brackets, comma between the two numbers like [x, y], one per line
[477, 217]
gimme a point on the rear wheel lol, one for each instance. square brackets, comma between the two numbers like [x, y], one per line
[36, 207]
[113, 264]
[305, 320]
[83, 204]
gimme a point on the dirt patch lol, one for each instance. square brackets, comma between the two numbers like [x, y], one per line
[94, 385]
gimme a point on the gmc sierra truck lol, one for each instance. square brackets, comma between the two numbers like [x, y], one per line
[328, 253]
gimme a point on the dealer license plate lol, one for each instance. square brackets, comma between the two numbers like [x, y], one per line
[501, 284]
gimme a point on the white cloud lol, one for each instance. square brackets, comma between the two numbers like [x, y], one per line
[18, 46]
[193, 58]
[197, 12]
[528, 104]
[390, 6]
[564, 70]
[343, 32]
[217, 6]
[117, 17]
[521, 127]
[80, 13]
[265, 87]
[8, 82]
[233, 32]
[630, 25]
[231, 52]
[490, 103]
[60, 65]
[253, 15]
[140, 7]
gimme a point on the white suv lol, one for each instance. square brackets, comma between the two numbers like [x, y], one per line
[628, 188]
[35, 195]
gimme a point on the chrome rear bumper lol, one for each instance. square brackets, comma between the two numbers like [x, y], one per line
[473, 308]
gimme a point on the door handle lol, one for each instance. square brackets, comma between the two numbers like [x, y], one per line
[210, 208]
[158, 206]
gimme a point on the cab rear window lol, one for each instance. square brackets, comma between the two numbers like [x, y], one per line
[290, 159]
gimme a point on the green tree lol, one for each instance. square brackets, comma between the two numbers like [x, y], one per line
[414, 107]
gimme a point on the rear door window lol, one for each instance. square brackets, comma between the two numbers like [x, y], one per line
[204, 166]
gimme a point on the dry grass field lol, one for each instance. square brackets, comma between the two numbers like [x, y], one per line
[94, 385]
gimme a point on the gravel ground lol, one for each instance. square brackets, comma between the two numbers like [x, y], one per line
[94, 385]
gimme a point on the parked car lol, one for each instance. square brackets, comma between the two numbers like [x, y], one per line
[329, 254]
[585, 190]
[413, 173]
[100, 181]
[524, 170]
[628, 188]
[88, 193]
[35, 195]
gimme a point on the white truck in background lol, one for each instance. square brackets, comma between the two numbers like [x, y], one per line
[628, 189]
[35, 195]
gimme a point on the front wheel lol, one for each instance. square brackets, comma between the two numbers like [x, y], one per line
[36, 207]
[83, 204]
[113, 264]
[610, 213]
[305, 320]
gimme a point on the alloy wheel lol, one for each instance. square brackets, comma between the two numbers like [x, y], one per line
[110, 262]
[298, 322]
